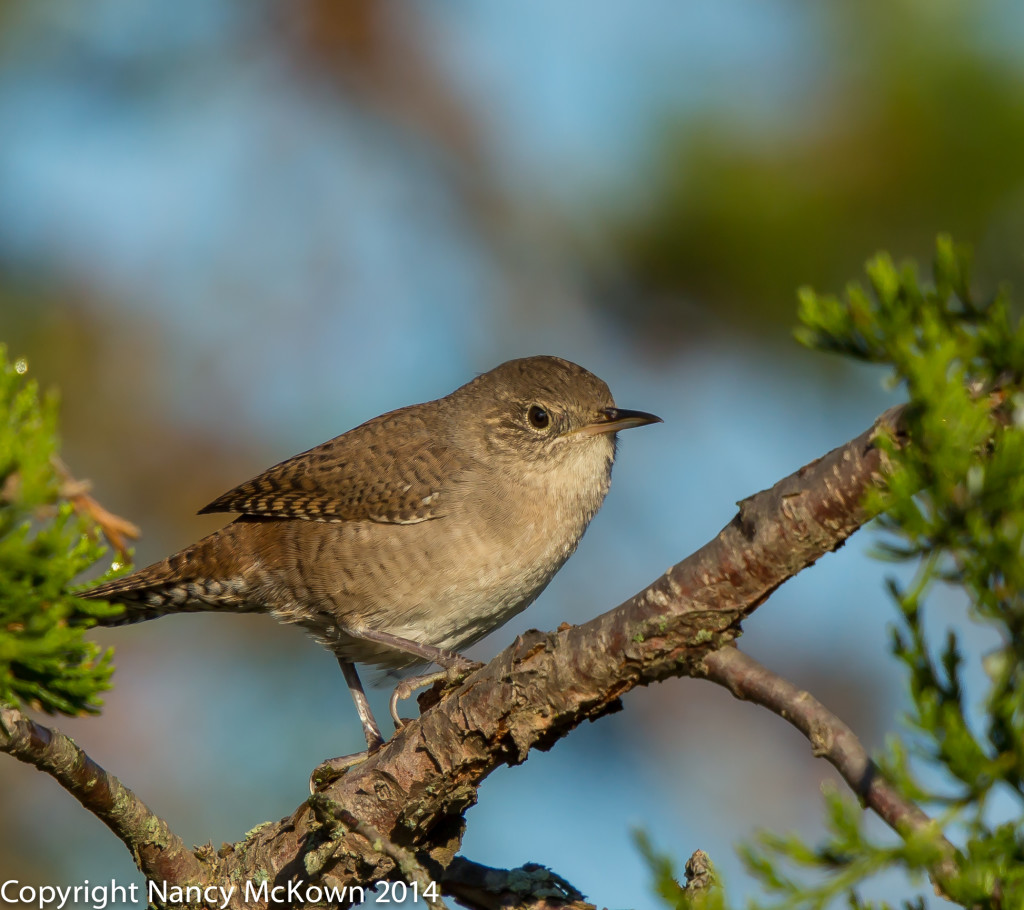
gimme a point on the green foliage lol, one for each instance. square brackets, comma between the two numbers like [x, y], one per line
[834, 869]
[666, 881]
[953, 504]
[45, 661]
[741, 207]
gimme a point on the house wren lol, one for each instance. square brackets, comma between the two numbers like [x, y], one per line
[412, 536]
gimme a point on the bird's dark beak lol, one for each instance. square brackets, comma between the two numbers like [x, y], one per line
[614, 419]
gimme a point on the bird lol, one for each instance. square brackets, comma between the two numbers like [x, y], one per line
[412, 536]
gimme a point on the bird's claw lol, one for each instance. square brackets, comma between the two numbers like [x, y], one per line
[326, 773]
[452, 675]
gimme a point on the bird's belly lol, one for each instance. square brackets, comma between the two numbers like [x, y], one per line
[442, 586]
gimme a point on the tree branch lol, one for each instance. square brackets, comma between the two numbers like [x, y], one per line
[418, 786]
[118, 531]
[530, 887]
[408, 865]
[830, 739]
[159, 854]
[415, 790]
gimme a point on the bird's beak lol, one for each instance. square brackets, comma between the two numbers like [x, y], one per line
[614, 419]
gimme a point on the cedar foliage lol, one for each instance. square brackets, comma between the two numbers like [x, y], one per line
[952, 506]
[45, 660]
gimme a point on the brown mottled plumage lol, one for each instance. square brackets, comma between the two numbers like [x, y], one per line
[341, 480]
[414, 534]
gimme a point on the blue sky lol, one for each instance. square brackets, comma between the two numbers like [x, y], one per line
[307, 265]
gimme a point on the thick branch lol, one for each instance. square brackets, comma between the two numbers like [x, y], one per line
[408, 865]
[417, 788]
[160, 854]
[830, 739]
[530, 887]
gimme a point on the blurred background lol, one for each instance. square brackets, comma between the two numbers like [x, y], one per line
[232, 229]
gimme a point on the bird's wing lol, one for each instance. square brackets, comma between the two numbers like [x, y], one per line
[387, 470]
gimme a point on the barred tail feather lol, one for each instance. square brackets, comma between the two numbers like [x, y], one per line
[175, 585]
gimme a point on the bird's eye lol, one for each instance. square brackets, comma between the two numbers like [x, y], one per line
[538, 417]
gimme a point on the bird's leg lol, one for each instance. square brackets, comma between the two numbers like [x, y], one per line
[370, 729]
[329, 771]
[456, 667]
[447, 659]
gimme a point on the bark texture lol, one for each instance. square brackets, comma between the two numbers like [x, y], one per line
[401, 812]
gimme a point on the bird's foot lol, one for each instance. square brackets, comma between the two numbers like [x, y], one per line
[456, 663]
[458, 669]
[326, 773]
[462, 668]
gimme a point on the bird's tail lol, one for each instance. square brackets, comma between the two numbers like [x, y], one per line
[177, 584]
